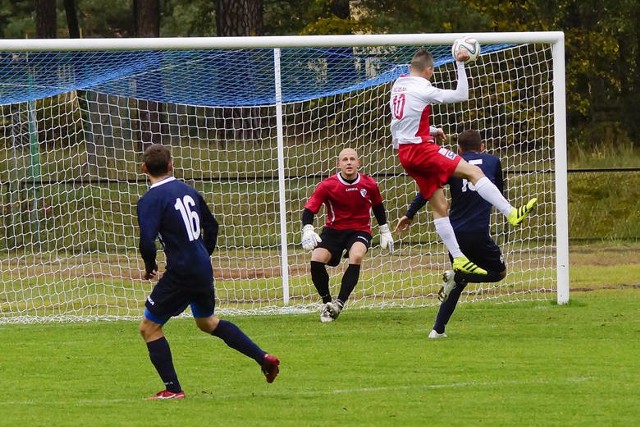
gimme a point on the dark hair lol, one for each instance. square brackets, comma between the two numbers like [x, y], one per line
[469, 140]
[421, 60]
[157, 158]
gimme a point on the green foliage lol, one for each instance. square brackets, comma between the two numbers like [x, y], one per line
[290, 17]
[530, 363]
[414, 16]
[604, 206]
[104, 19]
[16, 19]
[188, 19]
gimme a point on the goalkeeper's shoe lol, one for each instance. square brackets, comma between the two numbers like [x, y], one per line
[270, 367]
[463, 265]
[516, 216]
[335, 308]
[449, 284]
[325, 314]
[166, 394]
[434, 335]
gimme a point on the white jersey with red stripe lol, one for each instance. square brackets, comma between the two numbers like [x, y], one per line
[411, 101]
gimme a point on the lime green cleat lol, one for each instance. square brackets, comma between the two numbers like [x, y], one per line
[518, 214]
[463, 265]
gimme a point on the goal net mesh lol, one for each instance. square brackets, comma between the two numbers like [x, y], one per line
[74, 125]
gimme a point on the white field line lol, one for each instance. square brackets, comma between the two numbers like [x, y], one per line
[307, 393]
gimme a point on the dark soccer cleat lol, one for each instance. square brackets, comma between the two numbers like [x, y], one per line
[270, 367]
[166, 394]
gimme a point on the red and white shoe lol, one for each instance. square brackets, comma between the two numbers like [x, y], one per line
[270, 367]
[166, 394]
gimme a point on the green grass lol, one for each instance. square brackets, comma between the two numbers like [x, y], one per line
[531, 363]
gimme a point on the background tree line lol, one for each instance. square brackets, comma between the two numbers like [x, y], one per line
[602, 38]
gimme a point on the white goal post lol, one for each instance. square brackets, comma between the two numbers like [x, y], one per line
[254, 123]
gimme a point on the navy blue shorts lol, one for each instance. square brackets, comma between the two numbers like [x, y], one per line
[481, 249]
[337, 241]
[171, 297]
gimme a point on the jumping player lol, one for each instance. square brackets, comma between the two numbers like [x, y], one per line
[431, 165]
[349, 198]
[177, 215]
[470, 217]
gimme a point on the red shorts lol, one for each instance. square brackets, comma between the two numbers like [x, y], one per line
[429, 165]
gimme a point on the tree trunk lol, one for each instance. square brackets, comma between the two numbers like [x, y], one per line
[146, 14]
[72, 19]
[340, 8]
[147, 19]
[240, 18]
[46, 19]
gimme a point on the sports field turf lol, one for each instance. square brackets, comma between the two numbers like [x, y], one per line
[530, 363]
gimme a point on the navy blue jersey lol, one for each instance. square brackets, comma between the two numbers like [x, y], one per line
[469, 213]
[178, 216]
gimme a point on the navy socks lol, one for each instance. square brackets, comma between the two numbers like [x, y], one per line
[160, 355]
[238, 340]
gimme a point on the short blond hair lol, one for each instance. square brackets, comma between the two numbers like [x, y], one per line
[421, 60]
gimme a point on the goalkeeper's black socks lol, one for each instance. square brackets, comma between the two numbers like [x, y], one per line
[238, 340]
[160, 355]
[349, 281]
[320, 279]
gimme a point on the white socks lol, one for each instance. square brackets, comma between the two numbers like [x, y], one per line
[445, 231]
[488, 191]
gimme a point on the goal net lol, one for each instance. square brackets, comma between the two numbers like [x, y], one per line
[254, 124]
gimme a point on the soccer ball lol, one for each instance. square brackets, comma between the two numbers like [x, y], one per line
[469, 44]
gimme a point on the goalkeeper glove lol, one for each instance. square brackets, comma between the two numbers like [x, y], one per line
[310, 238]
[386, 239]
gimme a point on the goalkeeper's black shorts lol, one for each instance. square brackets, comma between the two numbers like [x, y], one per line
[337, 241]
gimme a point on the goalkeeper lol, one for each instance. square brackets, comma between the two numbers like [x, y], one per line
[349, 198]
[470, 217]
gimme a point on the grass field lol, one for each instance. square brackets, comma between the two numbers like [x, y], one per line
[503, 364]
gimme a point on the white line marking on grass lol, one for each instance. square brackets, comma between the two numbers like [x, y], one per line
[291, 393]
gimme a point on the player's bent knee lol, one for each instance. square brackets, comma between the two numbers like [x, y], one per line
[207, 324]
[150, 331]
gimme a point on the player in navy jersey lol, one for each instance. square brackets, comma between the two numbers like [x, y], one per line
[177, 215]
[470, 218]
[349, 197]
[429, 164]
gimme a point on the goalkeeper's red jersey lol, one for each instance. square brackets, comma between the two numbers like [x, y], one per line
[348, 206]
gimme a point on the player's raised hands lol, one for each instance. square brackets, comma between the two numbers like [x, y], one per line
[462, 55]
